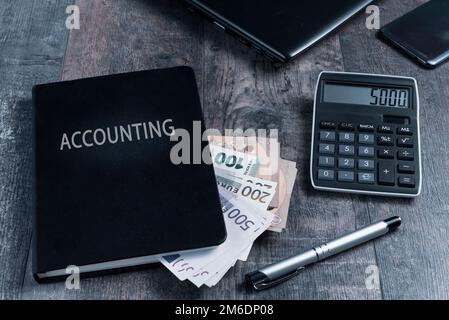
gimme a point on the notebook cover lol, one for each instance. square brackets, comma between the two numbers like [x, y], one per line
[101, 201]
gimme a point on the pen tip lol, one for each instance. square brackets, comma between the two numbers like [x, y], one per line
[393, 223]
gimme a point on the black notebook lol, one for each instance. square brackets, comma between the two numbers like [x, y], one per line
[108, 193]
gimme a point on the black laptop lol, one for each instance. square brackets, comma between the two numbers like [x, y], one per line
[279, 29]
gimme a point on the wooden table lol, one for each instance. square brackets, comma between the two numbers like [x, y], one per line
[239, 89]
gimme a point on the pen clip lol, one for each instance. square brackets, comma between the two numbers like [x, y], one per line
[270, 284]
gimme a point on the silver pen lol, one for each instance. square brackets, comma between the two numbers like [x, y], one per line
[284, 270]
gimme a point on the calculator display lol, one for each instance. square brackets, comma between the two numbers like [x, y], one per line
[367, 95]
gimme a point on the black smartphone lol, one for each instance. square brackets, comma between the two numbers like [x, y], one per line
[423, 33]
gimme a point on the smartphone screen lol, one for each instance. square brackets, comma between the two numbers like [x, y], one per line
[423, 33]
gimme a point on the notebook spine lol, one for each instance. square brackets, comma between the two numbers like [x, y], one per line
[34, 249]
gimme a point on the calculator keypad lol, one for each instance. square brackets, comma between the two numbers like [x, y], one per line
[366, 154]
[346, 176]
[346, 137]
[346, 150]
[327, 136]
[367, 139]
[346, 163]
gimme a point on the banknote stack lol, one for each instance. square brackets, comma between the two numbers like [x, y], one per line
[255, 187]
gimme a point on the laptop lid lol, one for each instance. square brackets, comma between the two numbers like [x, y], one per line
[282, 28]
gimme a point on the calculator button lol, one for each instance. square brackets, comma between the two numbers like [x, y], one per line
[327, 175]
[366, 128]
[366, 178]
[328, 125]
[405, 130]
[327, 148]
[406, 155]
[385, 129]
[406, 142]
[406, 168]
[346, 176]
[346, 137]
[366, 139]
[386, 173]
[328, 162]
[386, 153]
[407, 182]
[346, 150]
[385, 140]
[367, 152]
[347, 126]
[366, 165]
[344, 163]
[327, 136]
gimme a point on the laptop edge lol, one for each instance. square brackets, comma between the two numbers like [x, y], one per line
[258, 44]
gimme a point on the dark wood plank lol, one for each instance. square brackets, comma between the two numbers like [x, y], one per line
[122, 36]
[246, 91]
[33, 38]
[239, 90]
[413, 262]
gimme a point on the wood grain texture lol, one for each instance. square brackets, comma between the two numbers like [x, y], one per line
[121, 36]
[31, 51]
[414, 262]
[239, 89]
[245, 91]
